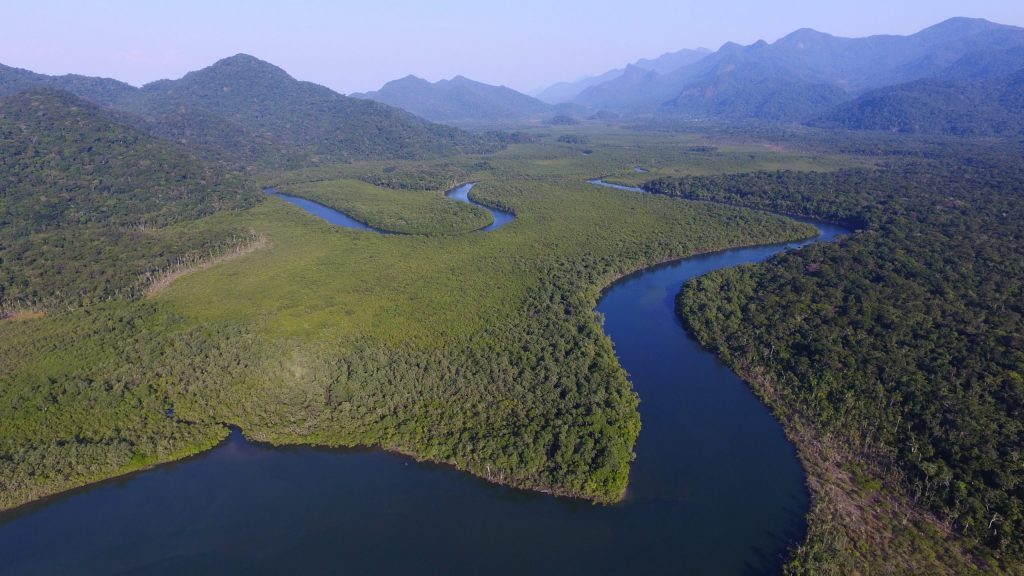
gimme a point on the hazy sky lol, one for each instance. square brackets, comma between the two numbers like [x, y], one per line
[358, 45]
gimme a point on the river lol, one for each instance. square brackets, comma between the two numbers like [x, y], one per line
[716, 488]
[459, 194]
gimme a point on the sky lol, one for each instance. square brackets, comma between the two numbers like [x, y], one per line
[355, 46]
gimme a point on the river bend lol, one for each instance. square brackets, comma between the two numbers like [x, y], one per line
[716, 487]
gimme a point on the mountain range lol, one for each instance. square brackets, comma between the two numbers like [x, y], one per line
[959, 77]
[248, 111]
[808, 75]
[568, 91]
[459, 100]
[987, 107]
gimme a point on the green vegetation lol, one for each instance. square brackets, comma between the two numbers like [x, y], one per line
[252, 115]
[895, 355]
[982, 108]
[321, 124]
[90, 208]
[436, 175]
[460, 100]
[482, 351]
[403, 211]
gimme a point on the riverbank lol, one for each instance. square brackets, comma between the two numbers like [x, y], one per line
[481, 350]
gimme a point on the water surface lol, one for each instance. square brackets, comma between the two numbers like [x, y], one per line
[716, 488]
[501, 218]
[459, 194]
[329, 214]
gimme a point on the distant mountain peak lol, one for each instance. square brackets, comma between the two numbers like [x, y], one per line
[458, 99]
[805, 37]
[410, 80]
[965, 21]
[241, 57]
[731, 48]
[246, 60]
[961, 26]
[243, 63]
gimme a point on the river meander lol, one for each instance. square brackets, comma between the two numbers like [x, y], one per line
[716, 487]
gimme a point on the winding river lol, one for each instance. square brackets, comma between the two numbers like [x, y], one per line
[501, 218]
[459, 194]
[716, 488]
[329, 214]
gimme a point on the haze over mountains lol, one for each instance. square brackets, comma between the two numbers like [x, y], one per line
[459, 100]
[568, 91]
[247, 110]
[806, 73]
[959, 77]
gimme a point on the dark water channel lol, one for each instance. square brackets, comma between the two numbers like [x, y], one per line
[716, 488]
[501, 218]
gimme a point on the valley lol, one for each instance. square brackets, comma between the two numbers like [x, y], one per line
[750, 310]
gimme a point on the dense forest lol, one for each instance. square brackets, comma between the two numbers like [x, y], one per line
[895, 357]
[457, 349]
[990, 107]
[904, 341]
[92, 207]
[252, 115]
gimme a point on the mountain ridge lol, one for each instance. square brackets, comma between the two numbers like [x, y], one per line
[562, 92]
[251, 112]
[818, 63]
[459, 100]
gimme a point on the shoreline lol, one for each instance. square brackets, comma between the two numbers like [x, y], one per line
[398, 450]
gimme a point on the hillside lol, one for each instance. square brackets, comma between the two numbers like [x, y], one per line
[85, 200]
[568, 91]
[104, 91]
[989, 107]
[749, 90]
[265, 100]
[249, 112]
[459, 100]
[805, 73]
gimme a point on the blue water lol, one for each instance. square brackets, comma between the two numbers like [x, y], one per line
[460, 194]
[501, 218]
[599, 182]
[329, 214]
[716, 488]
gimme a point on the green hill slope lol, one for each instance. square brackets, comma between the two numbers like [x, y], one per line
[85, 202]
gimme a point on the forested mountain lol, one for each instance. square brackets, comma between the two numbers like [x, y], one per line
[807, 72]
[252, 112]
[981, 108]
[265, 100]
[103, 91]
[749, 90]
[83, 200]
[459, 100]
[178, 119]
[635, 90]
[568, 91]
